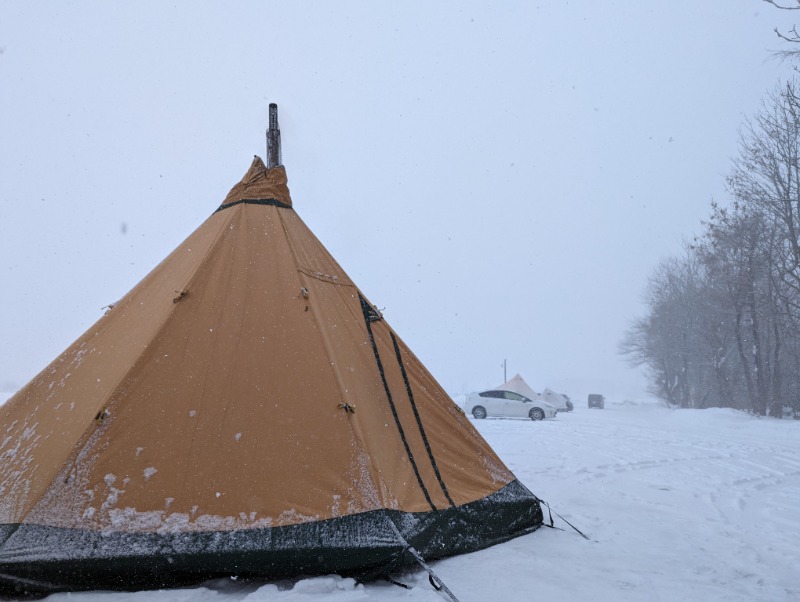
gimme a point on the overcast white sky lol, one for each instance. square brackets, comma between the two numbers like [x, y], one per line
[502, 179]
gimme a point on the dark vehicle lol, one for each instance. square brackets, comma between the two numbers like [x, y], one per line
[596, 401]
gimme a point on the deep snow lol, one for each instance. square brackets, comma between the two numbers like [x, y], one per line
[679, 505]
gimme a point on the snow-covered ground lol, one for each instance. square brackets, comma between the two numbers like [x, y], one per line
[679, 505]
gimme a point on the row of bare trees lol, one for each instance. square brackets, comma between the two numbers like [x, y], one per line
[723, 320]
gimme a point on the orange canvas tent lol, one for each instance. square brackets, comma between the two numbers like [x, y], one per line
[243, 410]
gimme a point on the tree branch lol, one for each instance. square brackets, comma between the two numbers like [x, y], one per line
[776, 5]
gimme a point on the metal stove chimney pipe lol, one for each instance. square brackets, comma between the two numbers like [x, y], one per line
[273, 138]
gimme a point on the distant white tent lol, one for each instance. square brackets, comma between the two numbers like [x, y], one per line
[517, 384]
[559, 400]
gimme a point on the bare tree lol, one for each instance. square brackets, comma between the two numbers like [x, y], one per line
[723, 323]
[737, 258]
[667, 340]
[792, 36]
[714, 330]
[766, 178]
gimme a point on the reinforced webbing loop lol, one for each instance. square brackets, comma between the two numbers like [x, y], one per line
[268, 202]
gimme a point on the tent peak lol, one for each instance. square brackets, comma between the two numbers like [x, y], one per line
[255, 167]
[261, 183]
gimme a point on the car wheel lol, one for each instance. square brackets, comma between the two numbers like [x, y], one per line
[479, 412]
[536, 414]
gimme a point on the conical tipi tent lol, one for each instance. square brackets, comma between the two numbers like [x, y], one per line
[243, 410]
[517, 384]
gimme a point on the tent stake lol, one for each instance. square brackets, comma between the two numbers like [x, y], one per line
[435, 580]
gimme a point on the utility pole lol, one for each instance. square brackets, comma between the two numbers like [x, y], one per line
[505, 378]
[273, 138]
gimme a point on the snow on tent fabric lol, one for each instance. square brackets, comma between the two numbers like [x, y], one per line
[243, 410]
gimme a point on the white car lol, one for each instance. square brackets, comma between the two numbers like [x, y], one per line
[508, 404]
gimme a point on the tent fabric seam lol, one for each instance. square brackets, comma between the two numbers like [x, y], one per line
[322, 277]
[301, 271]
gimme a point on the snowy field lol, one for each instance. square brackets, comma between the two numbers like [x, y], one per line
[679, 505]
